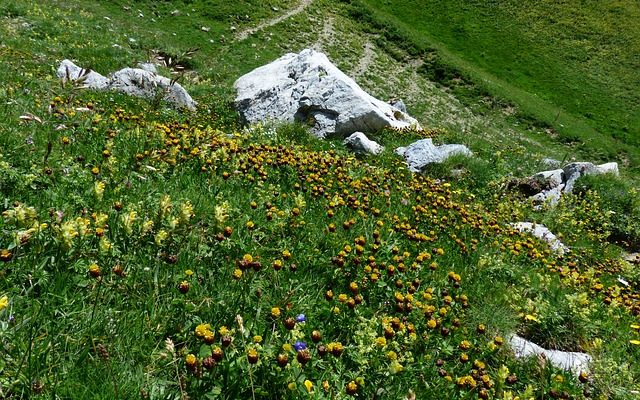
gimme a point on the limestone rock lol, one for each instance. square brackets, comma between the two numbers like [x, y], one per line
[419, 154]
[148, 66]
[361, 144]
[307, 87]
[542, 233]
[141, 83]
[558, 181]
[68, 71]
[567, 360]
[133, 81]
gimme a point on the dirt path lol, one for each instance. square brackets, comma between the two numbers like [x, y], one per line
[368, 58]
[242, 35]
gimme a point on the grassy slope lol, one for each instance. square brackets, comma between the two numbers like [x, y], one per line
[86, 338]
[572, 67]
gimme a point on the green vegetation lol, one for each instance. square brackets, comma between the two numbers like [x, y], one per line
[153, 253]
[568, 67]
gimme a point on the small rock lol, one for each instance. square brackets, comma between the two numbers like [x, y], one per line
[542, 233]
[550, 162]
[567, 360]
[175, 13]
[399, 104]
[419, 154]
[149, 67]
[359, 143]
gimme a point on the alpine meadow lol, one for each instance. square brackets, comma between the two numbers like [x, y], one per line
[319, 199]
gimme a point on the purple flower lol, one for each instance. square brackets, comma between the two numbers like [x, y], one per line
[301, 318]
[299, 346]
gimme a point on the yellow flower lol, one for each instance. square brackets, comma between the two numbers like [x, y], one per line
[186, 211]
[286, 347]
[636, 342]
[161, 236]
[309, 385]
[98, 189]
[530, 317]
[381, 341]
[395, 367]
[257, 339]
[202, 329]
[275, 312]
[292, 386]
[128, 220]
[4, 302]
[224, 330]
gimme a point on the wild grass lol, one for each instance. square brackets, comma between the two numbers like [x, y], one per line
[559, 78]
[150, 253]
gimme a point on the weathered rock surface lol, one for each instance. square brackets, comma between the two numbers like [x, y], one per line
[548, 186]
[141, 83]
[68, 71]
[542, 233]
[361, 144]
[307, 87]
[569, 361]
[132, 81]
[419, 154]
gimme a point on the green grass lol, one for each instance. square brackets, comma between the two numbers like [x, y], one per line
[137, 241]
[570, 68]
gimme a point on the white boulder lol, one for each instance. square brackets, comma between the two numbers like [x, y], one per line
[69, 72]
[141, 83]
[307, 87]
[543, 233]
[422, 152]
[360, 143]
[567, 360]
[132, 81]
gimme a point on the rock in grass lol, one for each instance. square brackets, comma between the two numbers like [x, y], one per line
[132, 81]
[141, 83]
[567, 360]
[419, 154]
[543, 233]
[555, 182]
[361, 144]
[307, 87]
[69, 72]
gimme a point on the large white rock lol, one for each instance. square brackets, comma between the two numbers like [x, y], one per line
[360, 143]
[133, 81]
[422, 152]
[68, 71]
[543, 233]
[567, 360]
[307, 87]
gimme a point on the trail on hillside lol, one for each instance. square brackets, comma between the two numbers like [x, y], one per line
[368, 58]
[242, 35]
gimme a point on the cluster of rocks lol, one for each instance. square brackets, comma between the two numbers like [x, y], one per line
[306, 87]
[547, 187]
[141, 82]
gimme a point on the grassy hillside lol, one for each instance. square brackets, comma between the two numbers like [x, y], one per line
[153, 253]
[571, 66]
